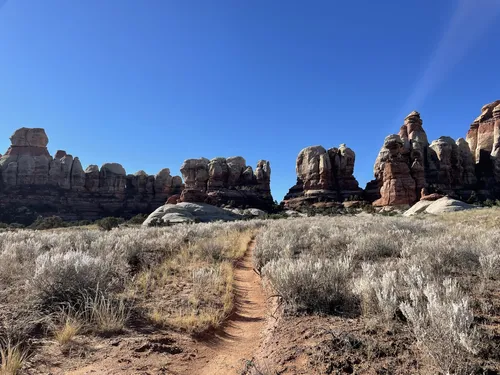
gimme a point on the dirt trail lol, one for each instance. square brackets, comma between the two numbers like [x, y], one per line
[222, 352]
[239, 338]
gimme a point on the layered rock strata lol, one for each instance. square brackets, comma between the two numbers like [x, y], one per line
[483, 139]
[227, 181]
[408, 168]
[32, 182]
[323, 176]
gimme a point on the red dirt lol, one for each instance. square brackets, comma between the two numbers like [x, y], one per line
[147, 351]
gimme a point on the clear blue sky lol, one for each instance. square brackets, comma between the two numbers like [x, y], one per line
[151, 83]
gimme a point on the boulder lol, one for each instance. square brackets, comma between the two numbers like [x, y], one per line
[447, 204]
[417, 208]
[186, 212]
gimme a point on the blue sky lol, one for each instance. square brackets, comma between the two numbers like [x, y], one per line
[151, 83]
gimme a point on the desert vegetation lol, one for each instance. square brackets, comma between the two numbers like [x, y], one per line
[436, 279]
[354, 293]
[79, 281]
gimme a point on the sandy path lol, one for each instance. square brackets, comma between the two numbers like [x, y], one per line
[238, 340]
[222, 352]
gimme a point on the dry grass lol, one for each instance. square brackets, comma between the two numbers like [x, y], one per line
[435, 278]
[105, 315]
[196, 284]
[432, 276]
[84, 281]
[12, 358]
[67, 332]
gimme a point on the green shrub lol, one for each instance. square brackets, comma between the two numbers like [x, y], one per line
[138, 219]
[48, 223]
[109, 223]
[158, 222]
[16, 226]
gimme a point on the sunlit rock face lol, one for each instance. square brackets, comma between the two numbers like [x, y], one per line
[227, 181]
[483, 138]
[32, 183]
[408, 167]
[323, 176]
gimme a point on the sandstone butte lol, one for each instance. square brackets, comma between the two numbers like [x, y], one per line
[408, 168]
[33, 183]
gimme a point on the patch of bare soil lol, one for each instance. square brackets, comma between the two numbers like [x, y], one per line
[153, 351]
[314, 344]
[326, 344]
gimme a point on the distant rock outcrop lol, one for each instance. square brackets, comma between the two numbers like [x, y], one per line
[230, 181]
[483, 138]
[32, 182]
[409, 168]
[323, 176]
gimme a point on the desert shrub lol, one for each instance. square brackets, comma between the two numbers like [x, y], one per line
[309, 283]
[380, 293]
[371, 246]
[16, 226]
[277, 216]
[12, 358]
[105, 315]
[109, 223]
[490, 264]
[158, 222]
[205, 278]
[442, 322]
[48, 223]
[138, 219]
[80, 223]
[63, 277]
[69, 326]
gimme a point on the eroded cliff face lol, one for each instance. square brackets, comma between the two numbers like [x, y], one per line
[323, 176]
[32, 182]
[409, 168]
[483, 138]
[227, 181]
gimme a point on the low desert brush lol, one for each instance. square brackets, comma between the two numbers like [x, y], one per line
[310, 283]
[442, 322]
[106, 315]
[66, 332]
[12, 358]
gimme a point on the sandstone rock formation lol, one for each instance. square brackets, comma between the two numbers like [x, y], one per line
[230, 181]
[33, 181]
[323, 176]
[439, 206]
[483, 138]
[188, 212]
[408, 167]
